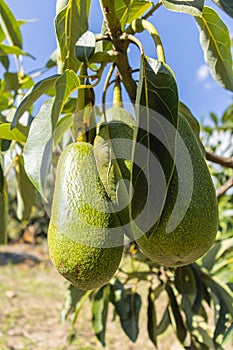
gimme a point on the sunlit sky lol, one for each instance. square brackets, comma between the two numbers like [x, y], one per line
[179, 34]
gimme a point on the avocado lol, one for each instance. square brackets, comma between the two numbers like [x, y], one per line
[84, 237]
[113, 152]
[185, 231]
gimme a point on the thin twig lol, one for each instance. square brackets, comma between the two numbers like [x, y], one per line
[10, 166]
[226, 162]
[120, 47]
[222, 190]
[106, 85]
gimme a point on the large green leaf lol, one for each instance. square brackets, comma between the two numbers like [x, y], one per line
[65, 85]
[127, 305]
[38, 148]
[32, 95]
[15, 134]
[216, 43]
[10, 25]
[192, 7]
[12, 50]
[128, 10]
[25, 191]
[70, 24]
[154, 151]
[3, 207]
[225, 5]
[99, 312]
[175, 315]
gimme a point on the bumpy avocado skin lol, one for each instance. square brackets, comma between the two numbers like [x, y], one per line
[84, 242]
[196, 233]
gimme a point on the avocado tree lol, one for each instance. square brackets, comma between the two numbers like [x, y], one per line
[134, 203]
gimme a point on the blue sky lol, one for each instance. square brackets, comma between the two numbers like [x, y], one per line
[178, 32]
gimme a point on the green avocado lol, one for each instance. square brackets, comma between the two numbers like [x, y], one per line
[185, 231]
[113, 152]
[84, 237]
[114, 141]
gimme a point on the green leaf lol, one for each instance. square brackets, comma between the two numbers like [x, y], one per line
[175, 315]
[222, 320]
[127, 305]
[185, 281]
[38, 148]
[192, 7]
[11, 81]
[12, 50]
[60, 4]
[85, 47]
[216, 252]
[32, 95]
[2, 34]
[5, 145]
[204, 338]
[151, 317]
[62, 126]
[220, 290]
[216, 44]
[202, 291]
[3, 207]
[128, 10]
[225, 5]
[65, 85]
[10, 25]
[164, 323]
[5, 61]
[15, 134]
[71, 298]
[228, 115]
[26, 191]
[154, 151]
[214, 118]
[100, 302]
[70, 24]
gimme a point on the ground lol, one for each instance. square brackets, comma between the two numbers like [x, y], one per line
[31, 299]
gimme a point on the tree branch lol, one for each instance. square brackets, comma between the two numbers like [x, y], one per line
[126, 76]
[225, 187]
[226, 162]
[120, 46]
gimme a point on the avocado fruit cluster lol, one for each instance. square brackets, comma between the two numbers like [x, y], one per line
[85, 234]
